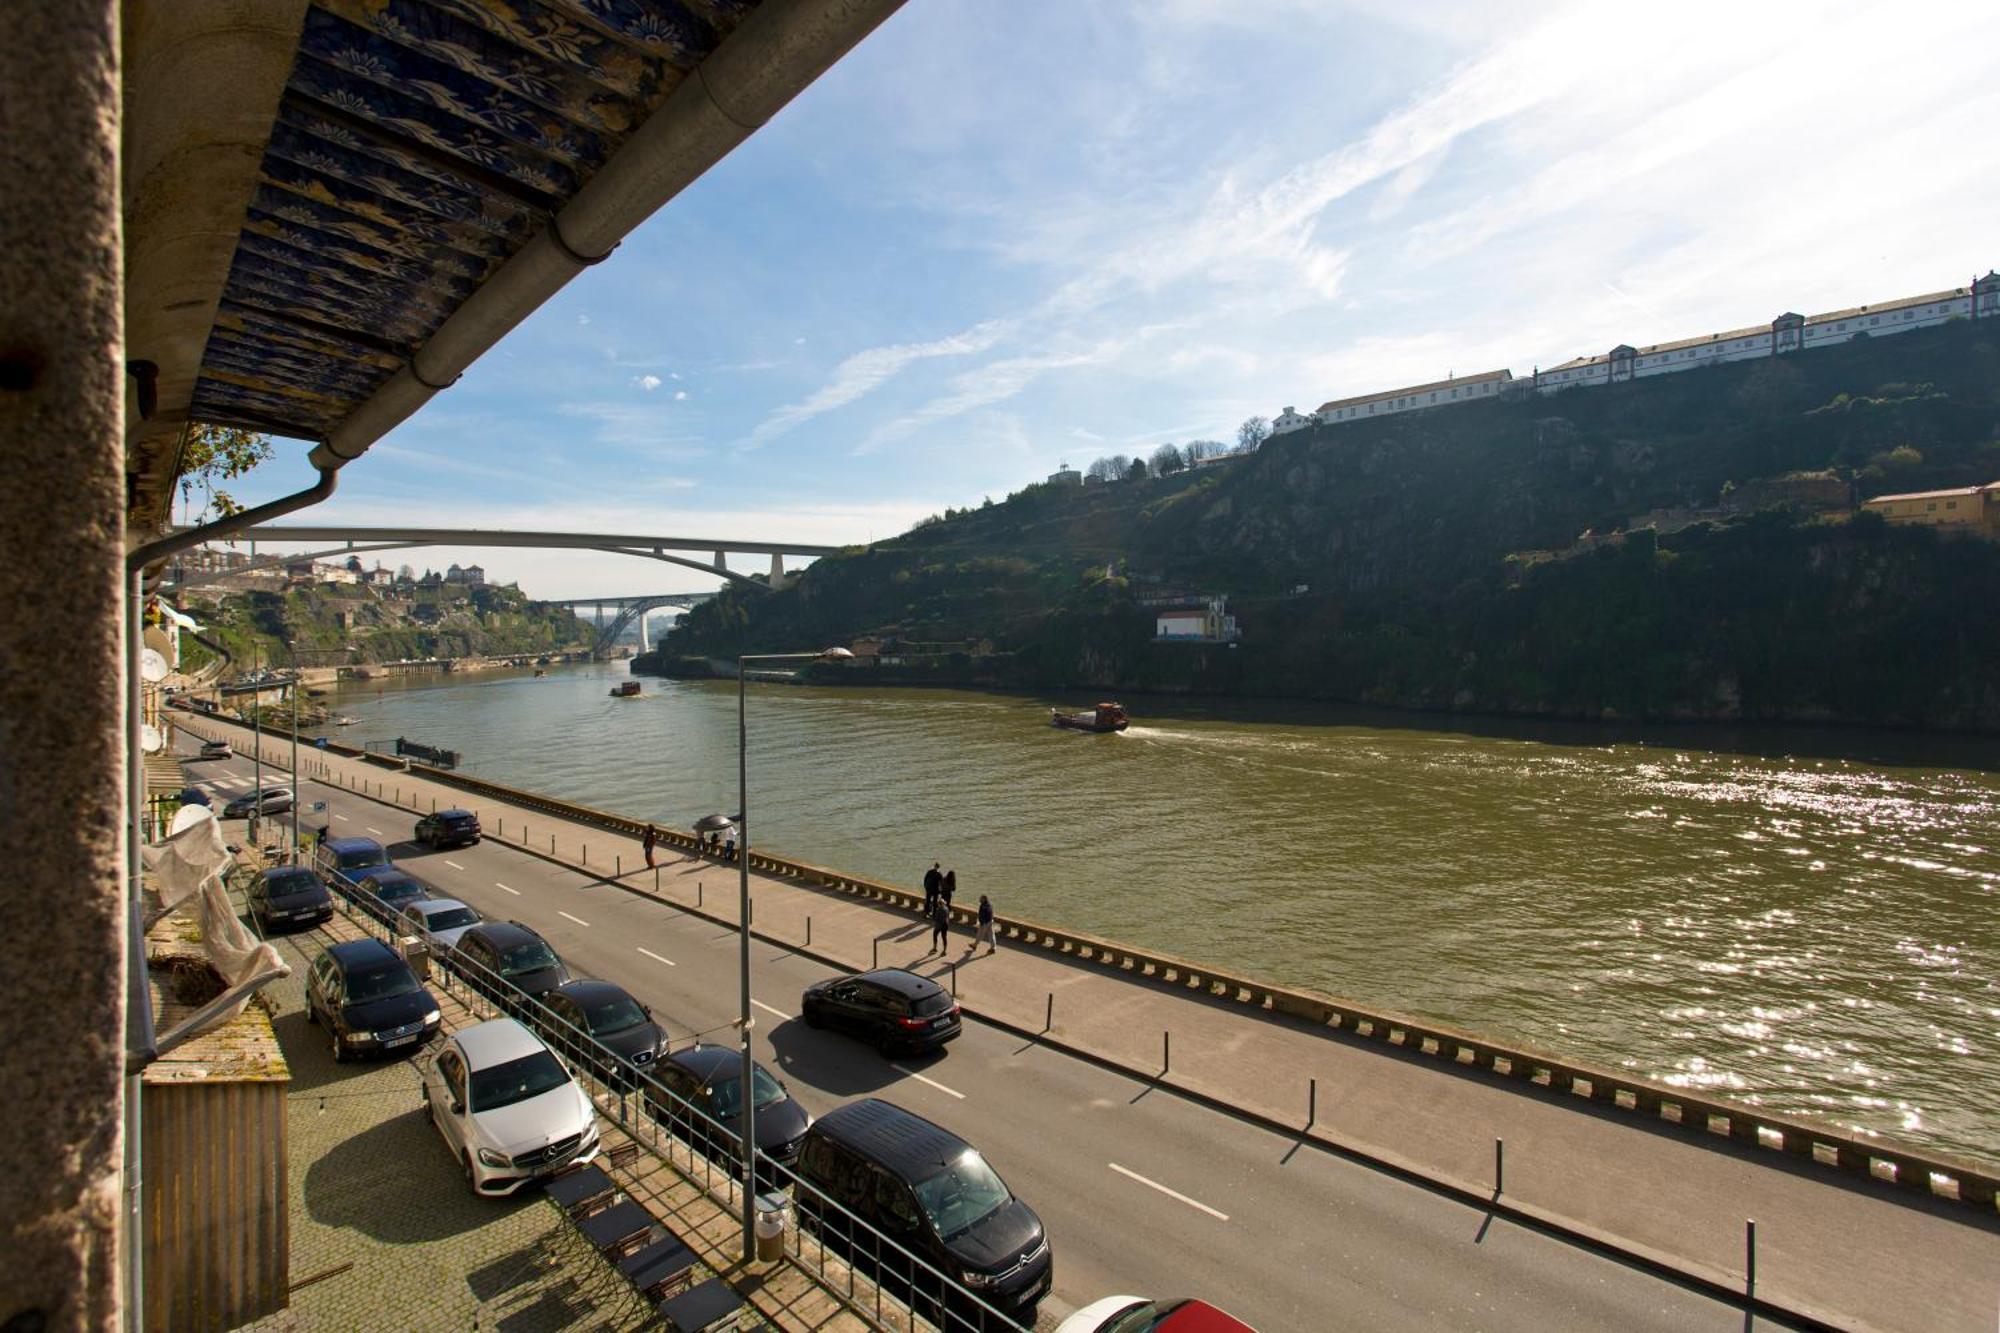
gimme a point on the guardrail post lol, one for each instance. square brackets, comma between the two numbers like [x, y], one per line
[1499, 1165]
[1750, 1259]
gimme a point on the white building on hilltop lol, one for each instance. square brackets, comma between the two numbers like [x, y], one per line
[1439, 393]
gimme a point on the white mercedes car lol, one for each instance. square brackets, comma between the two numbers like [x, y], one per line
[508, 1109]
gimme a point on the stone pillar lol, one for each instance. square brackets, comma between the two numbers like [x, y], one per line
[62, 726]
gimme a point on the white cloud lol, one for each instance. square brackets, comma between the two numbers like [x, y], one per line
[861, 373]
[647, 382]
[680, 395]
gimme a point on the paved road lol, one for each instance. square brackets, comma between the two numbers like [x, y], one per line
[1141, 1190]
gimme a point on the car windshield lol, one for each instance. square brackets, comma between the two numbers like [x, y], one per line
[458, 821]
[392, 890]
[360, 858]
[964, 1192]
[281, 882]
[516, 1081]
[381, 983]
[530, 957]
[1141, 1318]
[451, 917]
[726, 1103]
[616, 1015]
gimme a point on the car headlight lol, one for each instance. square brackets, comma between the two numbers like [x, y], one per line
[431, 1017]
[492, 1158]
[358, 1038]
[979, 1280]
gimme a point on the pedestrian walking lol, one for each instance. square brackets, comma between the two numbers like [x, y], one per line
[947, 887]
[932, 879]
[652, 840]
[985, 925]
[940, 927]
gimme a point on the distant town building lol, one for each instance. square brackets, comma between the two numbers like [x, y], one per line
[474, 576]
[1065, 476]
[1288, 420]
[1201, 620]
[381, 578]
[1967, 510]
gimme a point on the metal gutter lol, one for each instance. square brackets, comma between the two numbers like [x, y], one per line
[780, 48]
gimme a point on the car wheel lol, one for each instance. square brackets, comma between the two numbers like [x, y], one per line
[812, 1016]
[471, 1174]
[339, 1050]
[312, 1015]
[886, 1044]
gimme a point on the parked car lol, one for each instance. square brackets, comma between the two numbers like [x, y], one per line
[934, 1195]
[448, 828]
[505, 959]
[1134, 1314]
[288, 896]
[344, 860]
[369, 1000]
[708, 1080]
[216, 750]
[385, 891]
[891, 1009]
[267, 801]
[506, 1106]
[625, 1035]
[438, 922]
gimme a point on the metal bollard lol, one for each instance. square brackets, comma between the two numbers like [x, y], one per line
[1166, 1051]
[1312, 1102]
[552, 844]
[434, 805]
[809, 931]
[656, 879]
[954, 981]
[1750, 1258]
[1049, 1023]
[586, 853]
[1499, 1165]
[878, 954]
[618, 865]
[697, 893]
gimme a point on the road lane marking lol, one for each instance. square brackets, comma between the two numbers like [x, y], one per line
[656, 958]
[342, 818]
[453, 864]
[498, 885]
[579, 920]
[950, 1092]
[1171, 1194]
[769, 1010]
[372, 829]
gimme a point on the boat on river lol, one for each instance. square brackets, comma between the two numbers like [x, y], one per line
[345, 721]
[625, 689]
[1105, 717]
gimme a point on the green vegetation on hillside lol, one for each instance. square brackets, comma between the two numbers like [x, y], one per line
[1370, 561]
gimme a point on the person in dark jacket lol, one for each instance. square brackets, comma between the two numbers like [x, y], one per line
[985, 926]
[932, 879]
[652, 841]
[947, 887]
[940, 927]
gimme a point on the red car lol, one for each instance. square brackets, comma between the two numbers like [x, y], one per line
[1133, 1314]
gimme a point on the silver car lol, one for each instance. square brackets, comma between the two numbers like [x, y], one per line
[507, 1108]
[438, 922]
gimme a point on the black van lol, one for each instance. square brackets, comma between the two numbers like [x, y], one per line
[933, 1194]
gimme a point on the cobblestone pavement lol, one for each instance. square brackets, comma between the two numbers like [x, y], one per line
[385, 1233]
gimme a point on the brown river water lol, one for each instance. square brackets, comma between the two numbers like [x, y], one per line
[1805, 920]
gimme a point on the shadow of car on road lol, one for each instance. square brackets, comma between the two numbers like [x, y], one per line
[828, 1061]
[396, 1182]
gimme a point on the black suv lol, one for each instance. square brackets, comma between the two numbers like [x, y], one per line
[706, 1106]
[448, 828]
[933, 1194]
[623, 1032]
[499, 958]
[891, 1009]
[288, 896]
[369, 1000]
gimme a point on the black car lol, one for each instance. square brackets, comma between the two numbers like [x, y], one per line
[448, 828]
[369, 1000]
[706, 1083]
[345, 860]
[288, 896]
[622, 1031]
[934, 1195]
[385, 891]
[505, 959]
[891, 1009]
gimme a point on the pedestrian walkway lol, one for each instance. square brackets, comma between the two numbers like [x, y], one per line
[1849, 1252]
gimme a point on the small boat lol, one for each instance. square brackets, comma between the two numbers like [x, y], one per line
[541, 671]
[345, 721]
[625, 689]
[1106, 717]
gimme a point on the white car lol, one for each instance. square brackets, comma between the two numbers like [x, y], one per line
[508, 1109]
[1135, 1314]
[438, 922]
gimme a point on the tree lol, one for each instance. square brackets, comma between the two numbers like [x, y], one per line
[1137, 472]
[1103, 469]
[1121, 467]
[218, 453]
[1196, 450]
[1167, 460]
[1251, 434]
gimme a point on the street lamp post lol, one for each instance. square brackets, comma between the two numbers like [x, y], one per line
[746, 1089]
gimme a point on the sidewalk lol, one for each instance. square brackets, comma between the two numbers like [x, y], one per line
[1846, 1252]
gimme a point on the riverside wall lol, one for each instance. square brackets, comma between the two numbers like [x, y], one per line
[1530, 1070]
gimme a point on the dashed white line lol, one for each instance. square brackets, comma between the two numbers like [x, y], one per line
[579, 920]
[769, 1010]
[342, 818]
[949, 1092]
[372, 829]
[656, 958]
[453, 864]
[498, 885]
[1171, 1194]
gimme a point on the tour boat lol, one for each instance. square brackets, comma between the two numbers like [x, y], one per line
[1106, 717]
[625, 689]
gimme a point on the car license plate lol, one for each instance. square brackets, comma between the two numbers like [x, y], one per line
[394, 1042]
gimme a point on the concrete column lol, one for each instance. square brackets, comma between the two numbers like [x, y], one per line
[62, 725]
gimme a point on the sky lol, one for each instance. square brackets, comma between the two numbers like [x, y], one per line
[997, 238]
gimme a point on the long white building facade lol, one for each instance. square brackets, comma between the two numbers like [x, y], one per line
[1789, 332]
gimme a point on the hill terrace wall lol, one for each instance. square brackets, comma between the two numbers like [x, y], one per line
[1789, 332]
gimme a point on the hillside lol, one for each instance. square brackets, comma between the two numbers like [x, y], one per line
[331, 623]
[1371, 561]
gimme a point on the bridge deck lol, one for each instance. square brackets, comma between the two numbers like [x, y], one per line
[1852, 1252]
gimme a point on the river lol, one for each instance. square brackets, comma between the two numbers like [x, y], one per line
[1799, 919]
